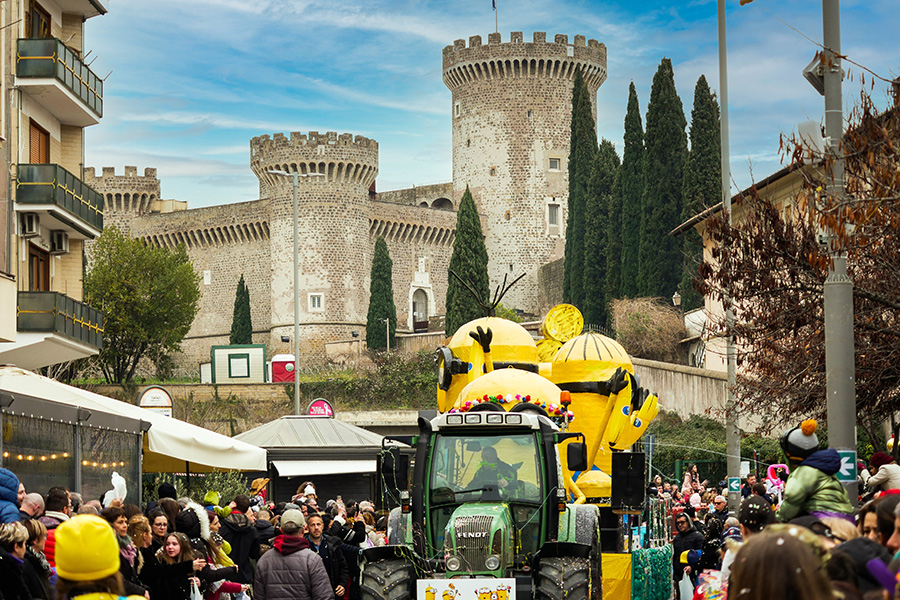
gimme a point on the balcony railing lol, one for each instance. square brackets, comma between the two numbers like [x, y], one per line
[53, 185]
[52, 312]
[50, 58]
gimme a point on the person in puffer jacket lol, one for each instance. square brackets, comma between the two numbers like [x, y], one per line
[812, 487]
[291, 571]
[9, 493]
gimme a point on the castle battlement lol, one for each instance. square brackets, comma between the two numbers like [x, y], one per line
[107, 172]
[516, 59]
[339, 158]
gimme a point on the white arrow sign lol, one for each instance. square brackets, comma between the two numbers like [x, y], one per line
[847, 471]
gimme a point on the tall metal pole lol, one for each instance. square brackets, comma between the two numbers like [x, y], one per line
[295, 179]
[732, 434]
[840, 368]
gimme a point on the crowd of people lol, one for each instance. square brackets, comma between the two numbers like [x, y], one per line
[796, 535]
[56, 546]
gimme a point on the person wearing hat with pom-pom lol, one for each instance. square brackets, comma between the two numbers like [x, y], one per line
[812, 487]
[87, 560]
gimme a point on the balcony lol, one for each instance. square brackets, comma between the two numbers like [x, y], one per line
[55, 77]
[52, 328]
[62, 200]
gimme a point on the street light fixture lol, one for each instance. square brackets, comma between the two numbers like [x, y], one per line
[295, 179]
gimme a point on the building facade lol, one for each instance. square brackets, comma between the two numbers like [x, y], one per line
[511, 115]
[47, 212]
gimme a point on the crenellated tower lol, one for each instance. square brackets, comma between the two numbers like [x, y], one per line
[336, 172]
[125, 196]
[511, 111]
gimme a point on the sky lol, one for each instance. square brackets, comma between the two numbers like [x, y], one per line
[189, 82]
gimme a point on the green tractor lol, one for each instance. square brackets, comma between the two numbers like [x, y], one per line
[488, 501]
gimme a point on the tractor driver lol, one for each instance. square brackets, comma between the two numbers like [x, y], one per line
[494, 470]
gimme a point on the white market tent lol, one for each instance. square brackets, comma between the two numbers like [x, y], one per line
[169, 445]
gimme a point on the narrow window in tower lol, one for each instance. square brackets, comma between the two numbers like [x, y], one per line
[529, 113]
[554, 164]
[316, 302]
[456, 110]
[493, 171]
[553, 219]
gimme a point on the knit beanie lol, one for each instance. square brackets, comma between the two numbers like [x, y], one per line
[86, 549]
[880, 459]
[167, 490]
[800, 442]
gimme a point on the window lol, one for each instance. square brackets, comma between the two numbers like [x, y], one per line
[554, 164]
[39, 145]
[493, 171]
[316, 302]
[238, 366]
[37, 23]
[38, 269]
[456, 110]
[553, 219]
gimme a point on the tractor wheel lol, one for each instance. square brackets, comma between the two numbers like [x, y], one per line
[587, 531]
[387, 580]
[561, 578]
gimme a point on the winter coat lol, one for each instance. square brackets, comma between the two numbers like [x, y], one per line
[265, 530]
[291, 571]
[52, 520]
[338, 572]
[167, 582]
[887, 478]
[12, 580]
[130, 581]
[813, 487]
[238, 531]
[9, 496]
[37, 575]
[690, 539]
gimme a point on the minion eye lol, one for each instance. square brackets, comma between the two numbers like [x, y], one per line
[626, 410]
[637, 423]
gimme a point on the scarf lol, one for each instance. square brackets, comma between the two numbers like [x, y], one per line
[127, 549]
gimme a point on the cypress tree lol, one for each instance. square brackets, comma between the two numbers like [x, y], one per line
[582, 152]
[241, 326]
[631, 189]
[469, 260]
[614, 240]
[659, 271]
[381, 298]
[596, 244]
[702, 183]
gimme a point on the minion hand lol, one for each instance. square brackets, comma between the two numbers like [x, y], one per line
[482, 337]
[618, 382]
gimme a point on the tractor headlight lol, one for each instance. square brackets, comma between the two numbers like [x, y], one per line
[492, 562]
[453, 563]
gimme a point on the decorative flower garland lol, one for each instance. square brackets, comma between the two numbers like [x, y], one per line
[554, 410]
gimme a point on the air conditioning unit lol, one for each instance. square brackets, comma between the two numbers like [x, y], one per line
[59, 242]
[30, 224]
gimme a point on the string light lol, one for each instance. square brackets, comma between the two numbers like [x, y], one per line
[43, 458]
[53, 456]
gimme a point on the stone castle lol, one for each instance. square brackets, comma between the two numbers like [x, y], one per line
[511, 113]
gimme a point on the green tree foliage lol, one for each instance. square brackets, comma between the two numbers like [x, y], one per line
[614, 240]
[702, 184]
[381, 299]
[241, 326]
[660, 257]
[596, 242]
[149, 297]
[469, 260]
[582, 153]
[630, 191]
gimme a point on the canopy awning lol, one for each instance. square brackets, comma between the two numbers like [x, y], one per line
[305, 468]
[170, 445]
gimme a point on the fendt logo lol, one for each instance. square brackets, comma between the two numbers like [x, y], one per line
[473, 534]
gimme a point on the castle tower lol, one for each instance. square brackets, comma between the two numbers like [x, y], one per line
[125, 196]
[335, 254]
[511, 113]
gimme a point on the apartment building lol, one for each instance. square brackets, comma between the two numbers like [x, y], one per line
[48, 96]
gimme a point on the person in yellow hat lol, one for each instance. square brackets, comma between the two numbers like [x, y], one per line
[87, 560]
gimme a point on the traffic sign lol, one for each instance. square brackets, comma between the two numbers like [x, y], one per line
[734, 484]
[847, 472]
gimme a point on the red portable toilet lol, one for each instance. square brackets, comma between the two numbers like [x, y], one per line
[282, 368]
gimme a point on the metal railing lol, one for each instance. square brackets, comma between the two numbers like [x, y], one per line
[52, 312]
[49, 57]
[51, 184]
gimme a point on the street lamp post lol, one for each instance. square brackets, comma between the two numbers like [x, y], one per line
[295, 179]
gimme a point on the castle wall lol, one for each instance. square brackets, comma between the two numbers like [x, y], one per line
[438, 195]
[223, 242]
[125, 196]
[511, 114]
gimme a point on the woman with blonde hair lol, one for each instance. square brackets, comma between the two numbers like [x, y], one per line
[13, 540]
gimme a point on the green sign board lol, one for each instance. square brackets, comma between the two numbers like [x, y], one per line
[734, 484]
[847, 472]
